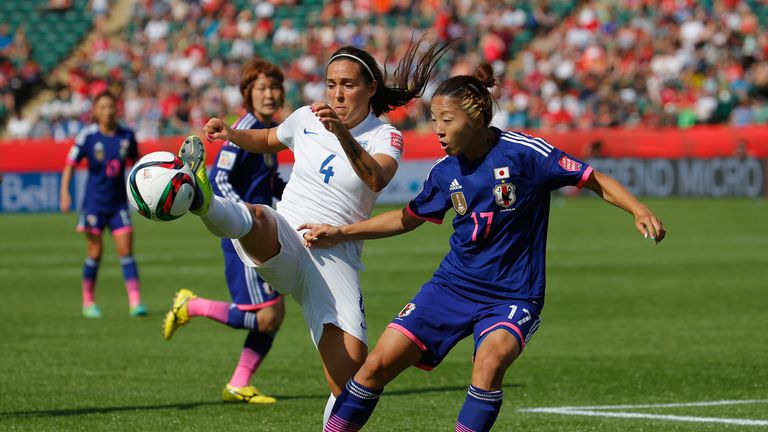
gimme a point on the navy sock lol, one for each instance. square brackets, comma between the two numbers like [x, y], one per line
[239, 319]
[91, 268]
[353, 407]
[259, 342]
[480, 409]
[130, 270]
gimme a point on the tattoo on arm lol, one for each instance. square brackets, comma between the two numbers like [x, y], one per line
[355, 152]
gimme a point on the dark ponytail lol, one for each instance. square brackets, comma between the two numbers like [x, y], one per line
[472, 93]
[405, 85]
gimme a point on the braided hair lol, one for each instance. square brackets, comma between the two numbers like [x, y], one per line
[472, 93]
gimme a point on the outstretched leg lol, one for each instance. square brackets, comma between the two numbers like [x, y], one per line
[225, 218]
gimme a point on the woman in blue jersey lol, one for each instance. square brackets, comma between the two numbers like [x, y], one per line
[107, 146]
[491, 283]
[248, 178]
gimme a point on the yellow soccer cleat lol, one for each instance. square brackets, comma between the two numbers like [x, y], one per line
[178, 315]
[247, 394]
[192, 152]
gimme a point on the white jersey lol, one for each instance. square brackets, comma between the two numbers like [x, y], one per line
[323, 187]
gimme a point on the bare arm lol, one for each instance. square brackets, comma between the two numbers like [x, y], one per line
[386, 224]
[252, 140]
[65, 200]
[614, 193]
[375, 171]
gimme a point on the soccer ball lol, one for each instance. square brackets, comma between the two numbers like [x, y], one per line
[161, 187]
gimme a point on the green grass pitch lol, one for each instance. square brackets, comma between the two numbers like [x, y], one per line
[626, 323]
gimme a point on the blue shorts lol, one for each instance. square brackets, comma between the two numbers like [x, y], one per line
[93, 222]
[247, 288]
[437, 318]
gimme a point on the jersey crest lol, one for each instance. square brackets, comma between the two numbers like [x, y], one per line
[504, 194]
[459, 202]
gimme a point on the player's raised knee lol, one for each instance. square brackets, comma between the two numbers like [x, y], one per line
[259, 215]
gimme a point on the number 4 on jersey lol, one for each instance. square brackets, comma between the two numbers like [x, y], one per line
[327, 170]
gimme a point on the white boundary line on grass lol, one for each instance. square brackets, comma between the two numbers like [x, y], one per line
[601, 411]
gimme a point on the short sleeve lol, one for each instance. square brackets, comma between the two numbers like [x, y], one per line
[292, 125]
[559, 169]
[431, 203]
[388, 141]
[77, 152]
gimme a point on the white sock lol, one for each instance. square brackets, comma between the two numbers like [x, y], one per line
[328, 408]
[227, 218]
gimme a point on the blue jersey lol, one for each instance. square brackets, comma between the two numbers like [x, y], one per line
[243, 176]
[502, 212]
[107, 156]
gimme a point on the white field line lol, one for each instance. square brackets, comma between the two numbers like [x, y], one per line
[601, 411]
[667, 405]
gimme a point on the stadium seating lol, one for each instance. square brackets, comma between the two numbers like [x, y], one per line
[545, 80]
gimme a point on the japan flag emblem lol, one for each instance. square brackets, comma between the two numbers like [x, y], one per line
[501, 173]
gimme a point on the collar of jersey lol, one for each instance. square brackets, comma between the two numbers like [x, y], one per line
[360, 128]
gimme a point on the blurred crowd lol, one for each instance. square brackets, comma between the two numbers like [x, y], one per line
[561, 64]
[643, 63]
[19, 73]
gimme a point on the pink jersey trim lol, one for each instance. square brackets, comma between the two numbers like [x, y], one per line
[94, 231]
[428, 219]
[122, 230]
[424, 367]
[506, 324]
[70, 162]
[407, 333]
[584, 177]
[253, 307]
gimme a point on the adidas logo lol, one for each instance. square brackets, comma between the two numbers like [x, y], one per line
[455, 185]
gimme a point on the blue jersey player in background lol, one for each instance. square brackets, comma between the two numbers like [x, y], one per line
[252, 178]
[491, 283]
[107, 146]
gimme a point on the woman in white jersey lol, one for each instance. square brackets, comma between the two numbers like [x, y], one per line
[344, 155]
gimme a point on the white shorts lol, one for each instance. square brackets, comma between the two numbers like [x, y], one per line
[324, 282]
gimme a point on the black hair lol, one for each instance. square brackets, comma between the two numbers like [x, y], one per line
[102, 94]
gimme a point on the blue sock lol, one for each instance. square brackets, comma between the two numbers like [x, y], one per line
[91, 268]
[241, 320]
[130, 271]
[480, 409]
[259, 342]
[353, 407]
